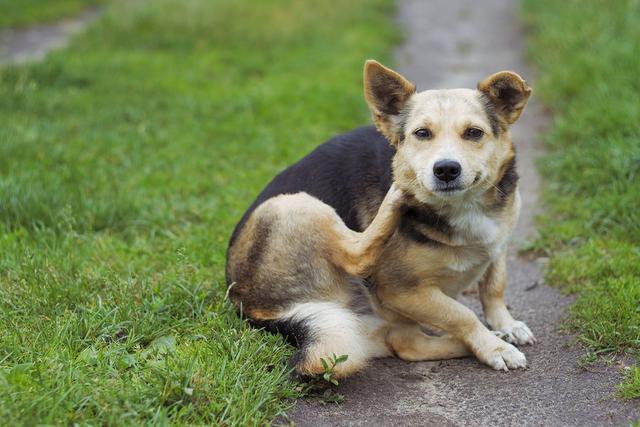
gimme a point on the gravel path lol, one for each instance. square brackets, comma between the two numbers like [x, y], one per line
[456, 44]
[33, 43]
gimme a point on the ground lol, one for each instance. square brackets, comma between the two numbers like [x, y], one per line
[126, 160]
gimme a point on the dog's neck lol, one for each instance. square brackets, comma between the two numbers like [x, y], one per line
[461, 222]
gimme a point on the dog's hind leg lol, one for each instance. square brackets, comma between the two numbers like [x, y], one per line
[359, 251]
[336, 329]
[410, 343]
[294, 265]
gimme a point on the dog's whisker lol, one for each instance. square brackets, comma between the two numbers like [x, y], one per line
[502, 193]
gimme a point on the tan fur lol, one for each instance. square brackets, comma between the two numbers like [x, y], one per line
[410, 343]
[357, 253]
[295, 251]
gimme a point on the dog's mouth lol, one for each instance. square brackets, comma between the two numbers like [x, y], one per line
[455, 187]
[450, 189]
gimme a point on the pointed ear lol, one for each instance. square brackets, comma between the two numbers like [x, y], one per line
[387, 93]
[508, 93]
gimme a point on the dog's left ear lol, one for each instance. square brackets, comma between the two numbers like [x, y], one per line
[387, 93]
[507, 92]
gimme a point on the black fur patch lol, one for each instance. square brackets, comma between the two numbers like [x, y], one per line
[296, 332]
[507, 183]
[410, 229]
[416, 217]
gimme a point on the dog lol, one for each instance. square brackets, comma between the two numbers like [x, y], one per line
[362, 246]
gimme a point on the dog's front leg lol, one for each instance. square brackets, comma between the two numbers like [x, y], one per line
[492, 289]
[359, 251]
[428, 305]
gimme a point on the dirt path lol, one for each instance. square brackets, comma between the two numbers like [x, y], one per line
[33, 43]
[455, 44]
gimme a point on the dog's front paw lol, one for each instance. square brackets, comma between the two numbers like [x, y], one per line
[517, 333]
[502, 356]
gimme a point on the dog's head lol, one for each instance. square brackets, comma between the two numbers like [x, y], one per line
[450, 143]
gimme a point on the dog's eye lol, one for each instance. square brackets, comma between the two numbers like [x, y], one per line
[423, 133]
[473, 134]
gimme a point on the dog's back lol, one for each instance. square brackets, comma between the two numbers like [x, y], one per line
[341, 173]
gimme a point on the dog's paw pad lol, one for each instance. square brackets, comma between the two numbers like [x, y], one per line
[518, 333]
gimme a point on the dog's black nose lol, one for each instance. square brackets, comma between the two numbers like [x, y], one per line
[447, 170]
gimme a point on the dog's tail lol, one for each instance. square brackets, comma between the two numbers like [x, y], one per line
[328, 330]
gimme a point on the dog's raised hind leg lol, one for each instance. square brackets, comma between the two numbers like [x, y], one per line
[359, 251]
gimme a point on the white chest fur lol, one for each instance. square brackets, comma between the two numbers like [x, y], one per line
[474, 226]
[477, 238]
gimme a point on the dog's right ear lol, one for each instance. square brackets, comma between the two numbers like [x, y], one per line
[507, 92]
[387, 93]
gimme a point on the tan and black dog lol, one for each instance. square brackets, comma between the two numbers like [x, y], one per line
[369, 238]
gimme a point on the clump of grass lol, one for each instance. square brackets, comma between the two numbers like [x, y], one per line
[320, 386]
[630, 388]
[587, 54]
[125, 162]
[329, 366]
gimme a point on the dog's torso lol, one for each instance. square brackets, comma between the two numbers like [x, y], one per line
[448, 247]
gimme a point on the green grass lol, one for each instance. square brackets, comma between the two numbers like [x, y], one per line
[630, 388]
[587, 53]
[125, 162]
[19, 13]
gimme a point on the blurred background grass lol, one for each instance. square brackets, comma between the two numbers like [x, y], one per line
[125, 162]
